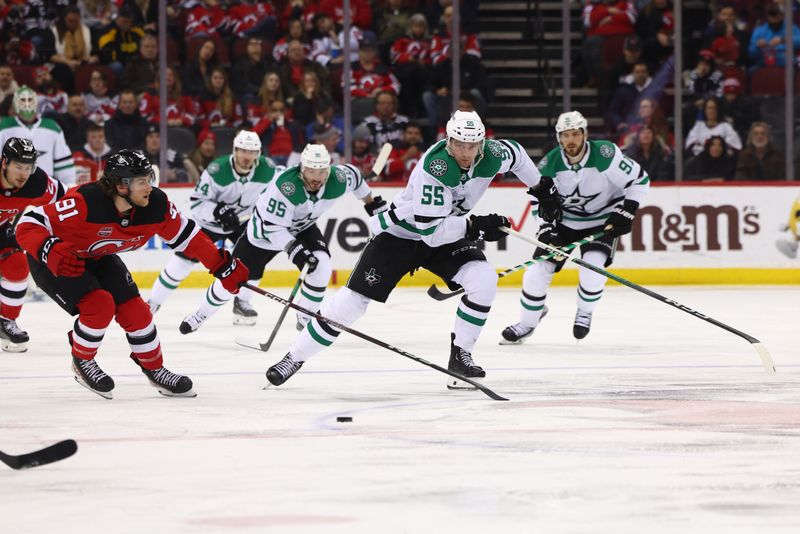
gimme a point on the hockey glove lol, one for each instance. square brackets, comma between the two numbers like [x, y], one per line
[226, 217]
[300, 255]
[8, 236]
[547, 195]
[486, 225]
[61, 258]
[376, 206]
[621, 218]
[231, 272]
[548, 235]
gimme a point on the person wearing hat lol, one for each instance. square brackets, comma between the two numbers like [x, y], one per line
[179, 166]
[51, 99]
[736, 109]
[204, 152]
[705, 80]
[120, 43]
[767, 44]
[369, 75]
[362, 158]
[328, 136]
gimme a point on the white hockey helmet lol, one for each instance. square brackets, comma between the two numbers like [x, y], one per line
[25, 101]
[466, 126]
[247, 140]
[315, 157]
[571, 120]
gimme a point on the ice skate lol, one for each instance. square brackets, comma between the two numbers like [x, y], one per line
[461, 362]
[788, 247]
[192, 322]
[243, 313]
[12, 337]
[89, 375]
[517, 333]
[283, 370]
[153, 307]
[166, 382]
[583, 321]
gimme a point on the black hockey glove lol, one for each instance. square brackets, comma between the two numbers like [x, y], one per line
[226, 217]
[300, 256]
[8, 236]
[376, 206]
[547, 195]
[621, 218]
[486, 225]
[548, 235]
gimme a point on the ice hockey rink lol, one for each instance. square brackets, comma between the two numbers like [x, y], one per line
[656, 422]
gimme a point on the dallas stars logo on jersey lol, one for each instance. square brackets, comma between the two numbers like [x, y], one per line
[576, 202]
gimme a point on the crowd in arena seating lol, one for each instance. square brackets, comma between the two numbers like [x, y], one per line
[272, 67]
[733, 84]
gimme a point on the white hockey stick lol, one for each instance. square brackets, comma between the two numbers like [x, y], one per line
[766, 359]
[380, 163]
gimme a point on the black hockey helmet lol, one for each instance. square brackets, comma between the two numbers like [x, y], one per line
[124, 165]
[19, 149]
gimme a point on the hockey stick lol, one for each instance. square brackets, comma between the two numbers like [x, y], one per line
[264, 347]
[53, 453]
[380, 163]
[382, 344]
[436, 294]
[766, 359]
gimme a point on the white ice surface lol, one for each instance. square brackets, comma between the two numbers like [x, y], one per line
[656, 422]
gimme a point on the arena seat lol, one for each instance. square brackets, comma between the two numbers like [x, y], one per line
[181, 139]
[225, 137]
[23, 74]
[767, 81]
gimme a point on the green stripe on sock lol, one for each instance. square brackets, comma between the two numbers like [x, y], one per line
[319, 339]
[165, 283]
[216, 304]
[529, 307]
[586, 299]
[470, 319]
[311, 297]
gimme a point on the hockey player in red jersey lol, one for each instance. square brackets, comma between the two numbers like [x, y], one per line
[72, 248]
[22, 184]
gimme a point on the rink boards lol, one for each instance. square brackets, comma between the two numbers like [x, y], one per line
[682, 235]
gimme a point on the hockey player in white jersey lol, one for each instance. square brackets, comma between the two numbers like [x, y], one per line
[598, 186]
[54, 156]
[285, 219]
[427, 227]
[221, 203]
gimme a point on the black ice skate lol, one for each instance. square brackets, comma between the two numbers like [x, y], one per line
[583, 321]
[244, 313]
[461, 362]
[283, 370]
[517, 333]
[192, 322]
[12, 337]
[166, 382]
[89, 375]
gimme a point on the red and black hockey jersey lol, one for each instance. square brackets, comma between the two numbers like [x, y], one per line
[40, 189]
[88, 219]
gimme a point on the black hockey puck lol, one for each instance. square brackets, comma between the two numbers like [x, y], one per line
[343, 419]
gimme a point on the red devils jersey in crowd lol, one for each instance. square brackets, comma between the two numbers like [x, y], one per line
[205, 20]
[364, 82]
[187, 109]
[88, 219]
[40, 189]
[406, 49]
[440, 46]
[243, 17]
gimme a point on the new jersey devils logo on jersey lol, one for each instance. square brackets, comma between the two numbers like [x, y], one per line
[103, 247]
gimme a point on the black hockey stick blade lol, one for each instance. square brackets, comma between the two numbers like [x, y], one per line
[366, 337]
[251, 343]
[53, 453]
[436, 294]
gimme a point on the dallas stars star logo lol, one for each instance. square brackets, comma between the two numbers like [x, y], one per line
[576, 202]
[371, 277]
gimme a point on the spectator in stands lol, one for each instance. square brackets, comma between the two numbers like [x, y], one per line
[291, 70]
[304, 102]
[326, 113]
[602, 19]
[127, 128]
[626, 97]
[652, 154]
[325, 48]
[249, 18]
[204, 153]
[97, 14]
[217, 103]
[120, 43]
[249, 70]
[74, 122]
[405, 154]
[205, 19]
[713, 164]
[100, 104]
[622, 71]
[440, 44]
[649, 115]
[704, 81]
[655, 25]
[197, 71]
[360, 12]
[735, 108]
[8, 85]
[182, 110]
[711, 126]
[727, 28]
[295, 32]
[95, 149]
[73, 46]
[140, 72]
[767, 45]
[369, 76]
[283, 137]
[466, 102]
[393, 21]
[361, 156]
[15, 47]
[385, 125]
[411, 60]
[329, 135]
[760, 160]
[52, 100]
[258, 111]
[179, 166]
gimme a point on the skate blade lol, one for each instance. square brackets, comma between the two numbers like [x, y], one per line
[105, 394]
[167, 393]
[456, 384]
[8, 346]
[244, 321]
[504, 341]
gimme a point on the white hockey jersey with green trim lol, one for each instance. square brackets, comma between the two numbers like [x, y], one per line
[439, 195]
[285, 209]
[220, 183]
[591, 188]
[54, 156]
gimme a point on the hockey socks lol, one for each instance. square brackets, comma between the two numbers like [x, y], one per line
[470, 318]
[176, 270]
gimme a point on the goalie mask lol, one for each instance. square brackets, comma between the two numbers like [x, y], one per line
[25, 102]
